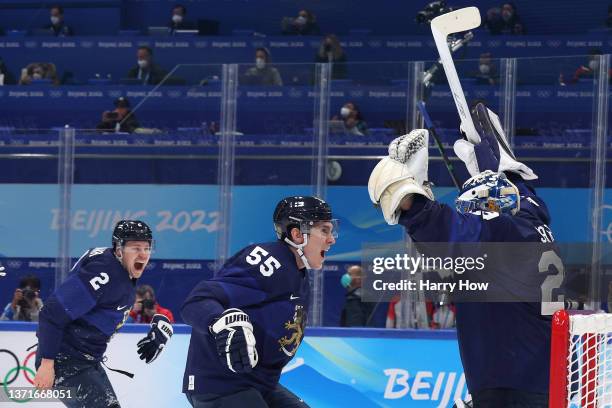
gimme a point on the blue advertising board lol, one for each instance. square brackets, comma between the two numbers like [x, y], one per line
[185, 218]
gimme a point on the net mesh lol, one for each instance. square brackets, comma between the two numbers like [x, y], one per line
[589, 365]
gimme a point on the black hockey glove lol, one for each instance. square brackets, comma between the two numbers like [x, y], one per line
[233, 333]
[150, 346]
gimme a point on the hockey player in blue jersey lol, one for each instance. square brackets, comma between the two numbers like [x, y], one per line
[248, 321]
[504, 346]
[90, 306]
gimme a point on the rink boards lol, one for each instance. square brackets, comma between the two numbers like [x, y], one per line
[333, 367]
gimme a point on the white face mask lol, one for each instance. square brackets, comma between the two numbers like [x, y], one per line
[260, 63]
[143, 63]
[55, 20]
[593, 64]
[36, 75]
[345, 112]
[484, 69]
[177, 19]
[301, 20]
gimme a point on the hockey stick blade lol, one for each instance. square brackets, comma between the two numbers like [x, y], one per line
[454, 22]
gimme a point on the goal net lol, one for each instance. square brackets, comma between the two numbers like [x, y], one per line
[581, 360]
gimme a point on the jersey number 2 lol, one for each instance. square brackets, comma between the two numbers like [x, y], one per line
[96, 281]
[270, 264]
[548, 259]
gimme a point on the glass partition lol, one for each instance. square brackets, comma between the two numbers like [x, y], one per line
[154, 156]
[205, 156]
[555, 134]
[29, 204]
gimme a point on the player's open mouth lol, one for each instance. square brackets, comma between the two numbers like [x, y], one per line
[323, 251]
[139, 266]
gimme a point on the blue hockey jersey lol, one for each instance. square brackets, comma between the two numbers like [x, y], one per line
[264, 281]
[81, 316]
[502, 344]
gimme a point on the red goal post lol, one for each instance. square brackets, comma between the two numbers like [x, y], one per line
[580, 362]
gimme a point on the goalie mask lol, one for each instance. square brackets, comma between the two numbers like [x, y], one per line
[301, 212]
[488, 191]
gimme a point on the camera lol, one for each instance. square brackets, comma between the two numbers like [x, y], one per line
[148, 304]
[29, 294]
[432, 10]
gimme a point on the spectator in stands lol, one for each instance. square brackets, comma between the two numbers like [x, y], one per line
[487, 70]
[122, 119]
[331, 51]
[504, 20]
[147, 71]
[586, 71]
[6, 77]
[443, 313]
[353, 119]
[26, 301]
[37, 71]
[58, 26]
[177, 21]
[304, 24]
[146, 306]
[263, 73]
[407, 314]
[355, 312]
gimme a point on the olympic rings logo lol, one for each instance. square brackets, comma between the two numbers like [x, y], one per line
[13, 373]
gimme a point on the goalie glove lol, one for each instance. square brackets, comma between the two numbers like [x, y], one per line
[489, 149]
[233, 333]
[402, 173]
[159, 334]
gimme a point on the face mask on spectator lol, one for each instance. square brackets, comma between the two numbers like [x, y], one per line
[37, 75]
[143, 63]
[507, 15]
[177, 19]
[55, 20]
[301, 20]
[345, 112]
[484, 69]
[260, 63]
[345, 280]
[593, 65]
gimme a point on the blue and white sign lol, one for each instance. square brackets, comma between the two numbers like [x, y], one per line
[185, 218]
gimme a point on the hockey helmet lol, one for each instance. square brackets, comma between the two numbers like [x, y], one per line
[131, 230]
[300, 212]
[488, 191]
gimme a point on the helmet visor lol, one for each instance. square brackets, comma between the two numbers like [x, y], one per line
[325, 229]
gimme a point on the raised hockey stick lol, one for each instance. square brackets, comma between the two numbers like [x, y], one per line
[432, 131]
[454, 22]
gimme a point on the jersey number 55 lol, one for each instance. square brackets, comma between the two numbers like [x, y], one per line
[269, 265]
